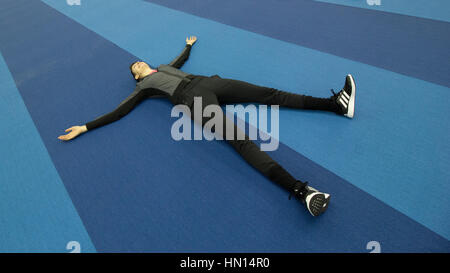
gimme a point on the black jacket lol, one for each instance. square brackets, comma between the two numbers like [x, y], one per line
[167, 82]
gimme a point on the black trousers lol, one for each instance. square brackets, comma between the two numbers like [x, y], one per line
[218, 91]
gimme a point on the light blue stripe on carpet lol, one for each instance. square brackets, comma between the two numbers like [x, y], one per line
[435, 9]
[36, 213]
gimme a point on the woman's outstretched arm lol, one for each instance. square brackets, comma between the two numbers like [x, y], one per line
[124, 108]
[182, 58]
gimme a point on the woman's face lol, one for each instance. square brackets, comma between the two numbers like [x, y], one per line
[139, 68]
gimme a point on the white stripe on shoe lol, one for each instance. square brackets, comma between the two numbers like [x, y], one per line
[346, 95]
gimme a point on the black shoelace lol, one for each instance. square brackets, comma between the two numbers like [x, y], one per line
[334, 94]
[299, 189]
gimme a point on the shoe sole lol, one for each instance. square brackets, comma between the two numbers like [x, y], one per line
[327, 201]
[317, 203]
[351, 103]
[327, 198]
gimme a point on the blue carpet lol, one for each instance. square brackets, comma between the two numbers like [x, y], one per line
[408, 45]
[397, 180]
[436, 9]
[136, 189]
[36, 213]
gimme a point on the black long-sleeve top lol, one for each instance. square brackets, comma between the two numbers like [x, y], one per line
[152, 85]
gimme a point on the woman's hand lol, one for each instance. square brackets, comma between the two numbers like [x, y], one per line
[191, 40]
[74, 132]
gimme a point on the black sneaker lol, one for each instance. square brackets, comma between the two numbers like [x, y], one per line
[315, 201]
[345, 99]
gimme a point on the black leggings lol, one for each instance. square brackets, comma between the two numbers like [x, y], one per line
[219, 91]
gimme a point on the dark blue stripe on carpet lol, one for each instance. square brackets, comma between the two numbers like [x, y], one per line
[404, 44]
[138, 190]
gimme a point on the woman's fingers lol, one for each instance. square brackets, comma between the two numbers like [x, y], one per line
[70, 135]
[66, 137]
[69, 129]
[191, 38]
